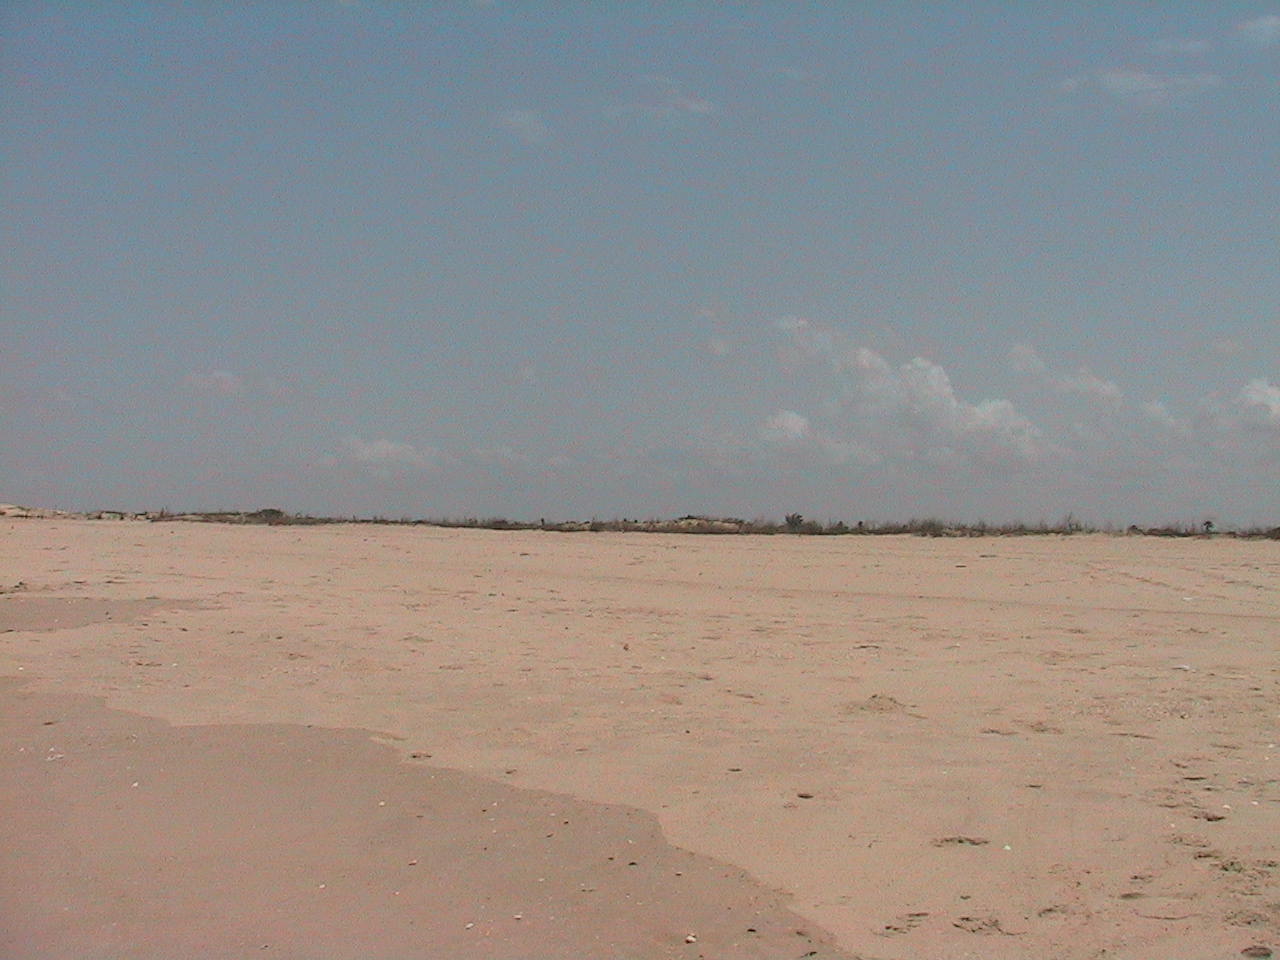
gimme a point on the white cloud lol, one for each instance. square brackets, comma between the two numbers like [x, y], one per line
[1091, 385]
[1140, 88]
[919, 397]
[794, 431]
[854, 419]
[908, 412]
[785, 426]
[1260, 400]
[215, 383]
[390, 453]
[1088, 384]
[1263, 31]
[806, 340]
[1104, 434]
[528, 125]
[1024, 360]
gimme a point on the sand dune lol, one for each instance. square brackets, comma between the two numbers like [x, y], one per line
[900, 747]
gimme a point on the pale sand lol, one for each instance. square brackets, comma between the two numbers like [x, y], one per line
[1012, 748]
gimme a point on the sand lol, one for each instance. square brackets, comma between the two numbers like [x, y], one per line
[379, 741]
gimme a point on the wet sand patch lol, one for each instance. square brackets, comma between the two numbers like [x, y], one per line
[125, 836]
[41, 614]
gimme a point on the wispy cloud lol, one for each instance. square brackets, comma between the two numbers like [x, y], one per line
[1263, 31]
[1226, 347]
[384, 453]
[215, 383]
[663, 98]
[528, 125]
[1024, 359]
[502, 456]
[1178, 47]
[795, 74]
[718, 347]
[1156, 411]
[1141, 88]
[673, 96]
[785, 426]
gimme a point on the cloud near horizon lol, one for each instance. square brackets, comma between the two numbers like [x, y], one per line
[848, 416]
[872, 411]
[384, 454]
[1260, 402]
[1104, 431]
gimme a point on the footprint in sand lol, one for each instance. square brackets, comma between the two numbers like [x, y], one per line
[902, 924]
[960, 841]
[880, 703]
[988, 926]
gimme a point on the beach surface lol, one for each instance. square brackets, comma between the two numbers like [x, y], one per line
[405, 741]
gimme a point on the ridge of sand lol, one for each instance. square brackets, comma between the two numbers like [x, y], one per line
[989, 748]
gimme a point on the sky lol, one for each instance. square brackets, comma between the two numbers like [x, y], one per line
[860, 261]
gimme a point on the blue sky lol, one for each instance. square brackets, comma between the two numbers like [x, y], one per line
[863, 261]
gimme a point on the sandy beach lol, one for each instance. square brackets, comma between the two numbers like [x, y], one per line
[393, 741]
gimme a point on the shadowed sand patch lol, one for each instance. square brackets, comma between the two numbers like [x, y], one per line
[125, 836]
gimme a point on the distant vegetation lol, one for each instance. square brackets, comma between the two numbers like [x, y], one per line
[792, 523]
